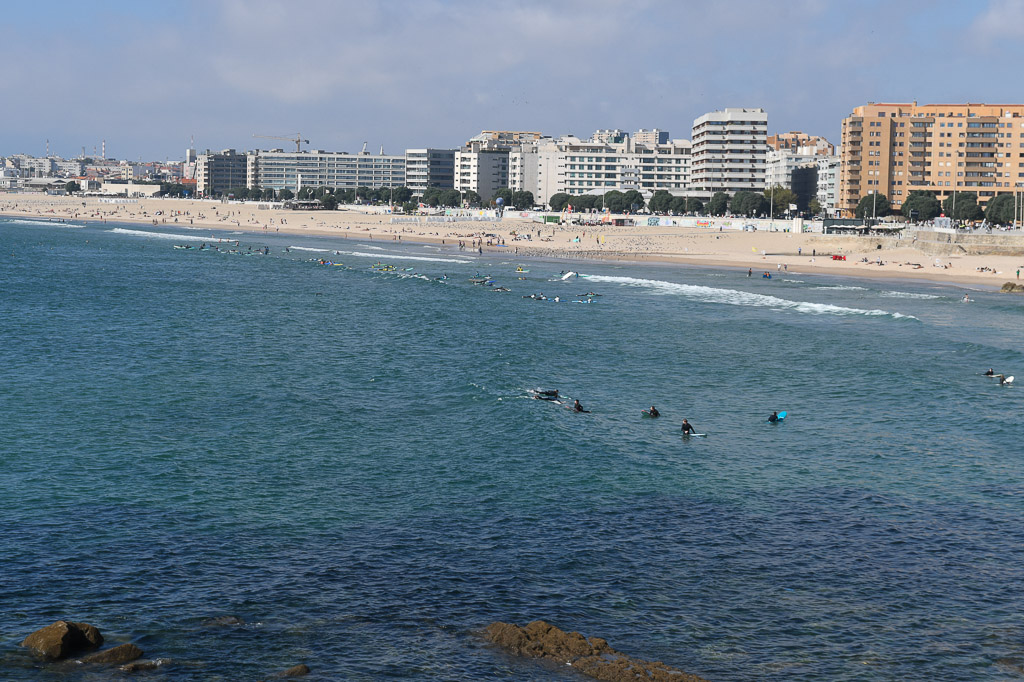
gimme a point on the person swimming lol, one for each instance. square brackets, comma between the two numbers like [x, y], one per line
[654, 412]
[687, 428]
[774, 418]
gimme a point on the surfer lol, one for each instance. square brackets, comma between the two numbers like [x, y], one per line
[576, 407]
[688, 428]
[774, 418]
[1002, 379]
[653, 412]
[990, 372]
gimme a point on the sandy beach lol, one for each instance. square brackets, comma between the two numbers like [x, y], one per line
[760, 251]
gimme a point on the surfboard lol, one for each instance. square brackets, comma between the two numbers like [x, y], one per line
[1009, 380]
[568, 275]
[646, 414]
[695, 435]
[782, 415]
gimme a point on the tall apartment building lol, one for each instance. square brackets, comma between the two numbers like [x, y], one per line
[575, 166]
[729, 148]
[278, 169]
[794, 139]
[781, 163]
[482, 168]
[219, 172]
[828, 184]
[894, 149]
[425, 168]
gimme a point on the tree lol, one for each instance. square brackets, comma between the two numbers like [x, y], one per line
[873, 205]
[450, 197]
[661, 202]
[719, 203]
[999, 209]
[401, 195]
[748, 204]
[778, 200]
[409, 207]
[615, 202]
[677, 206]
[921, 205]
[694, 205]
[471, 197]
[505, 194]
[814, 207]
[522, 200]
[285, 195]
[72, 187]
[558, 201]
[633, 200]
[362, 193]
[966, 206]
[329, 202]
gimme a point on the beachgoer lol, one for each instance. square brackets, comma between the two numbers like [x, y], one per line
[688, 428]
[1002, 379]
[750, 272]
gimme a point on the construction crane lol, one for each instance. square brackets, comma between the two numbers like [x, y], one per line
[297, 140]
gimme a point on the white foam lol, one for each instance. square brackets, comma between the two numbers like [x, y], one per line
[907, 294]
[399, 256]
[163, 235]
[840, 287]
[740, 298]
[306, 248]
[45, 223]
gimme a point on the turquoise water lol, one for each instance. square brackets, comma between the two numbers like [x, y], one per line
[348, 461]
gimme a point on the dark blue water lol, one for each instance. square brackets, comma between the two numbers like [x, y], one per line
[347, 460]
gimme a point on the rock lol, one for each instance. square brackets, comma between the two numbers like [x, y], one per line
[139, 666]
[119, 654]
[592, 657]
[223, 621]
[1012, 288]
[62, 639]
[294, 671]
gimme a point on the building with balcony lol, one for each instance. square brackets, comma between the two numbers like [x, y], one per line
[482, 168]
[794, 139]
[894, 149]
[426, 168]
[220, 172]
[278, 169]
[729, 151]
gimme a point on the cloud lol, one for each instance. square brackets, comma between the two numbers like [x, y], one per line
[1002, 19]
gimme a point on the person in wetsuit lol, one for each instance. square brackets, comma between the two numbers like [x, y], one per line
[990, 372]
[654, 411]
[576, 407]
[774, 418]
[688, 428]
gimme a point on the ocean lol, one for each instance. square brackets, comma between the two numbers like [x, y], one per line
[348, 460]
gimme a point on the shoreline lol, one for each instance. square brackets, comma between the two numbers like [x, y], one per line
[779, 253]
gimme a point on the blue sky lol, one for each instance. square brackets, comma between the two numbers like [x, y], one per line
[146, 76]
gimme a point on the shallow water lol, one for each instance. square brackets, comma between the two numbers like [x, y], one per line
[348, 460]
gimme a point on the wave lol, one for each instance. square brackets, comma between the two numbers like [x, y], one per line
[907, 294]
[840, 287]
[741, 298]
[398, 256]
[165, 235]
[46, 223]
[306, 248]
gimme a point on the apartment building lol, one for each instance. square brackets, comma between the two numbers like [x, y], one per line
[729, 151]
[426, 168]
[575, 166]
[895, 148]
[278, 169]
[794, 139]
[828, 184]
[219, 172]
[482, 168]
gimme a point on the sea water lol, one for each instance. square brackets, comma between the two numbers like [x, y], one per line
[348, 460]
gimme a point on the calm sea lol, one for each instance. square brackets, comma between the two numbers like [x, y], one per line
[348, 461]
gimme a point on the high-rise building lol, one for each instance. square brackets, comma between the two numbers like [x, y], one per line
[828, 183]
[729, 151]
[278, 169]
[482, 168]
[219, 172]
[894, 149]
[426, 168]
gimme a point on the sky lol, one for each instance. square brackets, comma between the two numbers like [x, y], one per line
[147, 76]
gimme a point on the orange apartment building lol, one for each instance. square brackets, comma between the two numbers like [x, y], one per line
[894, 149]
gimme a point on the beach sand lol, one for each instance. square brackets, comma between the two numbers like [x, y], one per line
[761, 251]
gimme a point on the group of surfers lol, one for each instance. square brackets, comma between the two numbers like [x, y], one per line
[1002, 377]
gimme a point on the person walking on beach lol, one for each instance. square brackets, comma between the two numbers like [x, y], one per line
[688, 428]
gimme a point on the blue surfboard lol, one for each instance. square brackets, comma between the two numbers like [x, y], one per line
[782, 415]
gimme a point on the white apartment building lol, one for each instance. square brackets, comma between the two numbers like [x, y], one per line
[278, 169]
[425, 168]
[481, 169]
[575, 166]
[729, 150]
[828, 184]
[219, 172]
[522, 169]
[780, 164]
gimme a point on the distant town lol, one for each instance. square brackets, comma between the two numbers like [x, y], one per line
[920, 162]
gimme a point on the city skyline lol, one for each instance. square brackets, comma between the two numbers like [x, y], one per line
[146, 78]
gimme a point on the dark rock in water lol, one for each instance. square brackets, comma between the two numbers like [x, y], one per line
[139, 666]
[223, 621]
[592, 657]
[119, 654]
[1011, 288]
[63, 639]
[294, 671]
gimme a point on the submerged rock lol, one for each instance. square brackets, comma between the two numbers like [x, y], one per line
[294, 671]
[223, 621]
[1012, 288]
[592, 657]
[119, 654]
[139, 666]
[62, 639]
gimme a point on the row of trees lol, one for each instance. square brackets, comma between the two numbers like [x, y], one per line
[923, 205]
[613, 201]
[664, 202]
